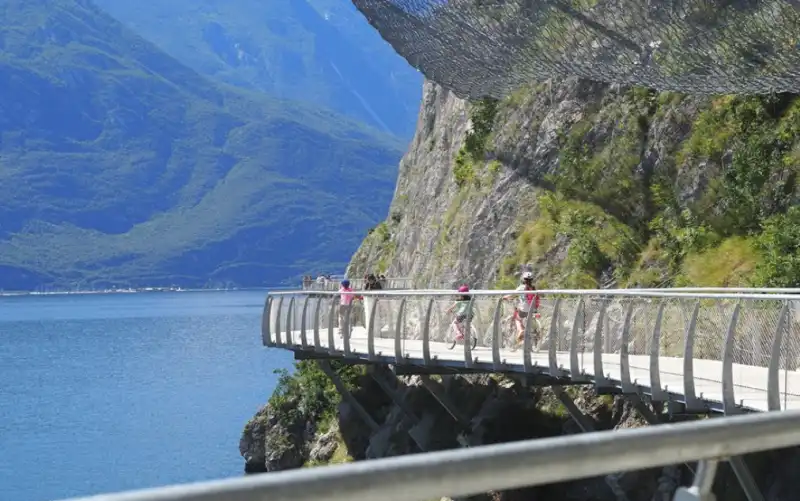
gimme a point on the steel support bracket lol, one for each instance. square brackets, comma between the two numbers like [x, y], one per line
[643, 409]
[582, 420]
[746, 480]
[347, 396]
[439, 393]
[381, 376]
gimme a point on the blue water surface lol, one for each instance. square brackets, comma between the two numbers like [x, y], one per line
[109, 392]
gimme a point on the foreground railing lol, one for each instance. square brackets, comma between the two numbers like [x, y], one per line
[463, 472]
[663, 343]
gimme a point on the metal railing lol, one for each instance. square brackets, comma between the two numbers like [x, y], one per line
[700, 347]
[359, 284]
[463, 472]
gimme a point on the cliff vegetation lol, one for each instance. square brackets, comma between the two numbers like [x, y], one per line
[597, 186]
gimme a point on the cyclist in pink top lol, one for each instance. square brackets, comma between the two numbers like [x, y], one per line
[345, 305]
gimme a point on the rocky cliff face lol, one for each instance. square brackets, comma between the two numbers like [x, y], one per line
[594, 185]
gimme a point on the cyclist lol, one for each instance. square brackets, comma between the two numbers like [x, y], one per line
[346, 297]
[460, 306]
[525, 303]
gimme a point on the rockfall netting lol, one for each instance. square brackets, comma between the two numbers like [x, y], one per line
[488, 48]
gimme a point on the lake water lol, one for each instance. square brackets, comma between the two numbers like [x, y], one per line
[110, 392]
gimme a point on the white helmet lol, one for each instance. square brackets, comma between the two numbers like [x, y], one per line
[527, 275]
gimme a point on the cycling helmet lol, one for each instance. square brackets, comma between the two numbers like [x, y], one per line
[527, 275]
[346, 283]
[463, 289]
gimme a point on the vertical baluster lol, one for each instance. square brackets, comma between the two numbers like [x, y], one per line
[426, 333]
[371, 326]
[278, 322]
[317, 312]
[496, 335]
[552, 336]
[398, 334]
[303, 323]
[331, 322]
[692, 402]
[599, 375]
[624, 360]
[773, 376]
[574, 366]
[728, 396]
[468, 362]
[266, 335]
[656, 391]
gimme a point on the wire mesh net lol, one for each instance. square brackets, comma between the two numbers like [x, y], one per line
[480, 48]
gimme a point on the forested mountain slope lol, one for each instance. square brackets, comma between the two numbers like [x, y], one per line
[119, 165]
[322, 52]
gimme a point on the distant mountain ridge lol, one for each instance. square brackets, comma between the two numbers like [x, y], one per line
[318, 51]
[120, 166]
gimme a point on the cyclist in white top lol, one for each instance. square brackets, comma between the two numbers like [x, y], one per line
[525, 303]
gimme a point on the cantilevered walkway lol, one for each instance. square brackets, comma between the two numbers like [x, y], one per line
[707, 351]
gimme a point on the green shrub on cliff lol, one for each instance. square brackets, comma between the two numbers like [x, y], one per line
[308, 395]
[594, 242]
[716, 208]
[779, 245]
[472, 155]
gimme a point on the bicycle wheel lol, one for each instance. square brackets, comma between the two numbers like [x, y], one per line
[536, 334]
[453, 333]
[509, 334]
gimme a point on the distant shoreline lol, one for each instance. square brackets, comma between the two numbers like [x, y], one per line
[136, 290]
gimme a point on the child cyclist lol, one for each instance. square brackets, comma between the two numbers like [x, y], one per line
[461, 307]
[526, 303]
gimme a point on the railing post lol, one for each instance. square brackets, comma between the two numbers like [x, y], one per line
[692, 402]
[303, 326]
[317, 311]
[728, 396]
[497, 364]
[574, 366]
[773, 375]
[426, 333]
[700, 490]
[347, 328]
[526, 344]
[553, 337]
[266, 336]
[657, 393]
[468, 362]
[599, 375]
[399, 356]
[624, 361]
[331, 321]
[371, 327]
[278, 322]
[290, 322]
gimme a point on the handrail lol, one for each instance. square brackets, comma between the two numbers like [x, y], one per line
[358, 283]
[464, 472]
[638, 293]
[760, 290]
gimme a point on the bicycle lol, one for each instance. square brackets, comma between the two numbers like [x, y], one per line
[510, 331]
[473, 332]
